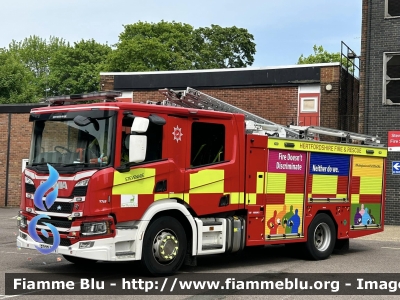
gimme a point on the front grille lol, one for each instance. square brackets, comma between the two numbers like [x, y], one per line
[30, 188]
[49, 240]
[79, 191]
[60, 207]
[56, 223]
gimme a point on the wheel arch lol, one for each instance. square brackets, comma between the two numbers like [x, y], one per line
[341, 244]
[329, 213]
[167, 207]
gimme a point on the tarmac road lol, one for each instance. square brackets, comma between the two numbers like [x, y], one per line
[373, 254]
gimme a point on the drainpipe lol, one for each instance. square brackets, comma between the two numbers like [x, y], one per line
[367, 72]
[8, 158]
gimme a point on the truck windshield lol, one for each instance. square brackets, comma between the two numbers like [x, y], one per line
[83, 138]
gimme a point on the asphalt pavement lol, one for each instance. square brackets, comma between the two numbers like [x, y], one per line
[372, 254]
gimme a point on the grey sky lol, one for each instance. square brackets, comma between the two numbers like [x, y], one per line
[282, 29]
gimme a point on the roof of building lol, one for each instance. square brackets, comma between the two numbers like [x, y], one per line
[19, 108]
[219, 78]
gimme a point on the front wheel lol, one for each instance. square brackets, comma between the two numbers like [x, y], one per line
[321, 237]
[164, 246]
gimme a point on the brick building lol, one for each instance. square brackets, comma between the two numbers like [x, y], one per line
[380, 85]
[301, 94]
[315, 94]
[15, 135]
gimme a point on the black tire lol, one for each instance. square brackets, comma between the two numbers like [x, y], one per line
[79, 260]
[321, 237]
[164, 247]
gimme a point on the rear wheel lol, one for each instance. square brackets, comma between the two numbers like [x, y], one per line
[321, 237]
[79, 260]
[164, 246]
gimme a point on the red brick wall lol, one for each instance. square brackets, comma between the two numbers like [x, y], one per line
[20, 136]
[21, 130]
[107, 83]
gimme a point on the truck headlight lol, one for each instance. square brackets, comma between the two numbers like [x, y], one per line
[28, 180]
[21, 221]
[95, 228]
[83, 182]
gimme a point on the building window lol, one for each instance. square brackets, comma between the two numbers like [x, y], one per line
[391, 79]
[309, 104]
[392, 8]
[208, 143]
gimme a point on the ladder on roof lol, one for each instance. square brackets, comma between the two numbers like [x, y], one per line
[346, 136]
[192, 98]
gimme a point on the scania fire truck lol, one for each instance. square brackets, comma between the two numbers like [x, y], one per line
[165, 182]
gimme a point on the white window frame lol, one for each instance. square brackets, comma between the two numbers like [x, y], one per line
[315, 109]
[387, 16]
[386, 79]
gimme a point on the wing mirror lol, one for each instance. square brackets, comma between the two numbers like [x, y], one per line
[84, 121]
[139, 125]
[138, 143]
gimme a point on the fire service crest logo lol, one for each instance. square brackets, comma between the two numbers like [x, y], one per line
[177, 133]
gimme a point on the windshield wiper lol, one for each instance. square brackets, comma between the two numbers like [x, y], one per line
[39, 164]
[44, 164]
[76, 164]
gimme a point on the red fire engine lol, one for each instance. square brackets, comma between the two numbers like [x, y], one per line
[193, 175]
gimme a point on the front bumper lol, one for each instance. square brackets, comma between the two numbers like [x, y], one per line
[119, 248]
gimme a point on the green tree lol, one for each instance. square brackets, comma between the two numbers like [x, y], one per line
[218, 47]
[320, 56]
[35, 53]
[153, 47]
[177, 46]
[16, 80]
[76, 69]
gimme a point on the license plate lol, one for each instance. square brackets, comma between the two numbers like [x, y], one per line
[45, 246]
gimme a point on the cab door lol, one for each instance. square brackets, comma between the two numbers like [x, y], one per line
[137, 186]
[212, 168]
